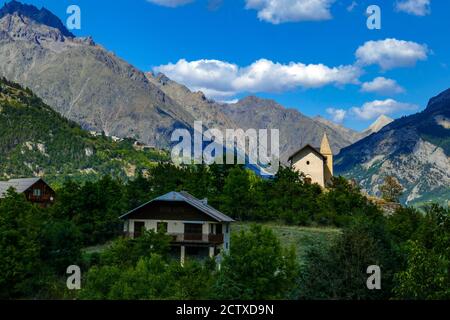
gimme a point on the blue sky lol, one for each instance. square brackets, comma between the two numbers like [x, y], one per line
[321, 59]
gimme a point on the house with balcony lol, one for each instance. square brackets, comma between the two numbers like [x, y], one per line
[196, 228]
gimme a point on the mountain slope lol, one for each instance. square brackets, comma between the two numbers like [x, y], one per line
[83, 81]
[37, 141]
[196, 103]
[348, 134]
[296, 129]
[415, 149]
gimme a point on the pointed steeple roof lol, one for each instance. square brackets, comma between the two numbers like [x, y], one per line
[325, 148]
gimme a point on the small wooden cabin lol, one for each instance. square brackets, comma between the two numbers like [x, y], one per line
[36, 190]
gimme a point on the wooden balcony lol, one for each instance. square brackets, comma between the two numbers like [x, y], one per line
[43, 198]
[198, 238]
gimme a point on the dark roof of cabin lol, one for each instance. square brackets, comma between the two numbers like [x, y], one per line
[191, 200]
[308, 146]
[20, 185]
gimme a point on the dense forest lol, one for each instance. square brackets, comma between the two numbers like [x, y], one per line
[37, 245]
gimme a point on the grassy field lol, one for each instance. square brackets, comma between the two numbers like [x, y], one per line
[301, 238]
[97, 249]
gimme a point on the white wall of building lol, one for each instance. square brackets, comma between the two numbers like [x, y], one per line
[311, 164]
[173, 226]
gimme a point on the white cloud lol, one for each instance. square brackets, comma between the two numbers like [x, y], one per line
[213, 77]
[279, 11]
[232, 101]
[414, 7]
[337, 115]
[374, 109]
[170, 3]
[218, 79]
[391, 53]
[382, 85]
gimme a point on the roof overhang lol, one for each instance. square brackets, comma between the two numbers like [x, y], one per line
[185, 198]
[308, 146]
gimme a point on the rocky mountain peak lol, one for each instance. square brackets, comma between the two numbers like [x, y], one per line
[39, 16]
[379, 124]
[256, 102]
[162, 78]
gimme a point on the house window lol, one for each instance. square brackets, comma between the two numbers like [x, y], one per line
[162, 227]
[218, 229]
[308, 163]
[139, 228]
[37, 192]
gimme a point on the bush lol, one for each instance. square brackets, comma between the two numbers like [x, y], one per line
[126, 252]
[258, 267]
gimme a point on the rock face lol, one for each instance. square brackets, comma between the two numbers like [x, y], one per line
[196, 103]
[414, 149]
[296, 129]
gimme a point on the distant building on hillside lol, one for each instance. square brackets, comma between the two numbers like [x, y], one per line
[36, 190]
[197, 229]
[316, 164]
[139, 146]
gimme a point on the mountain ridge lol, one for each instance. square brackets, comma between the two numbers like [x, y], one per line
[296, 129]
[415, 149]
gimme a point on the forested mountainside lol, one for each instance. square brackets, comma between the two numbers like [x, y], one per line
[36, 141]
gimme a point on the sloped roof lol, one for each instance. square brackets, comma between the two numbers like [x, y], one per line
[308, 146]
[20, 185]
[191, 200]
